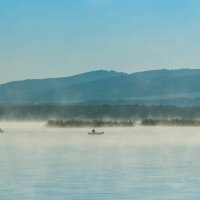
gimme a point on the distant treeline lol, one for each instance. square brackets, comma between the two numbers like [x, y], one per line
[88, 123]
[96, 112]
[101, 123]
[170, 122]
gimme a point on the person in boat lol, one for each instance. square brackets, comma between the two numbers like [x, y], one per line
[93, 130]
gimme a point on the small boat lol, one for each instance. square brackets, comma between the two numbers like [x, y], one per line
[95, 133]
[1, 131]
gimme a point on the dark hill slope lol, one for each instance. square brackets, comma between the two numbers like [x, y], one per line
[149, 87]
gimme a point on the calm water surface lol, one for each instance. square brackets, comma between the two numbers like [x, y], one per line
[154, 163]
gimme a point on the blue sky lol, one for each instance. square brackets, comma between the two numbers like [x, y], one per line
[53, 38]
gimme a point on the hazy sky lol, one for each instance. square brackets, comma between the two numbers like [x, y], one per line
[52, 38]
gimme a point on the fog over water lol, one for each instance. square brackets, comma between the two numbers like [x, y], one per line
[41, 163]
[31, 132]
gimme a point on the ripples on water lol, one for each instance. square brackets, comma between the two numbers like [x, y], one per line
[125, 163]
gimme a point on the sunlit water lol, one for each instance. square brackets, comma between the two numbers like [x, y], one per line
[152, 163]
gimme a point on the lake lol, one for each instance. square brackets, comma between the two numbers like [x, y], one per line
[154, 163]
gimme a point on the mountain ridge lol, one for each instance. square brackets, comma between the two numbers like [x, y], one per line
[147, 87]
